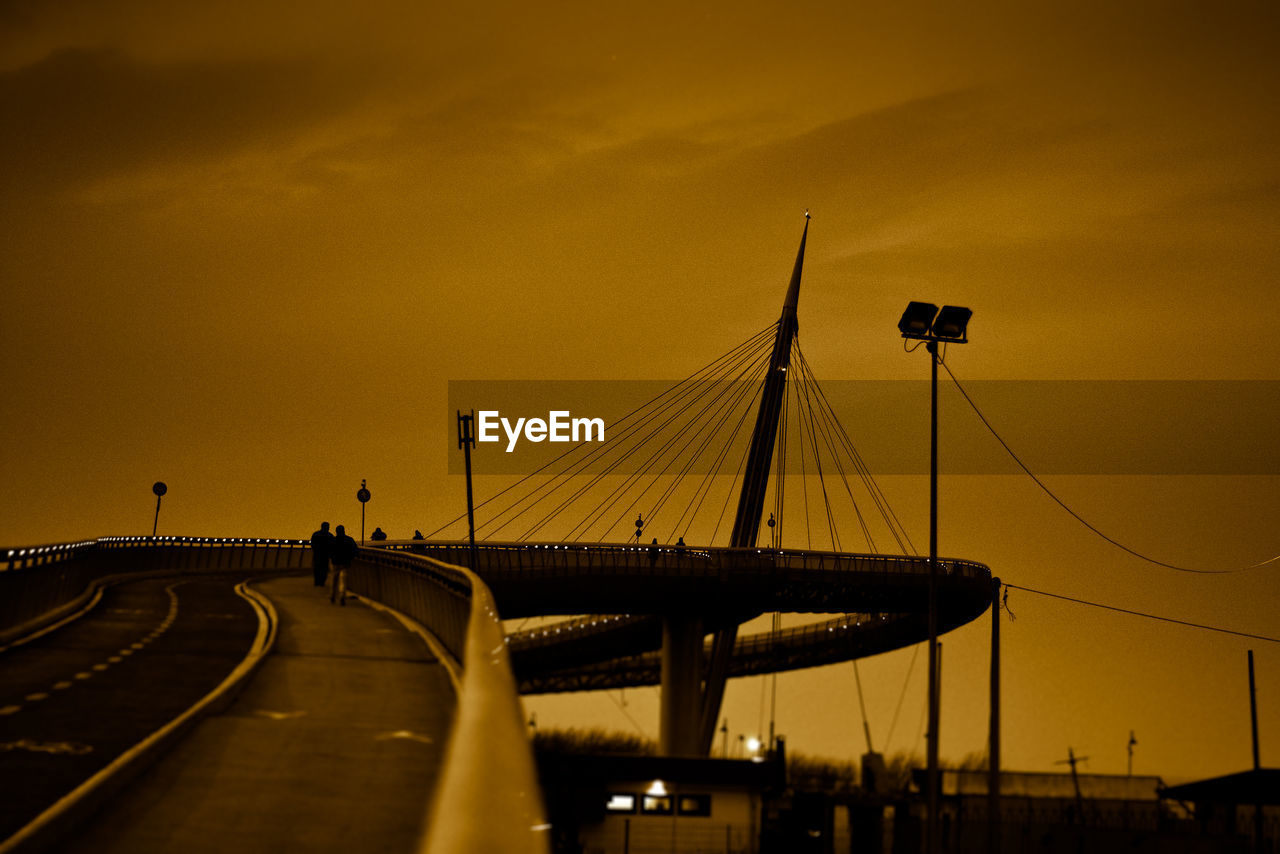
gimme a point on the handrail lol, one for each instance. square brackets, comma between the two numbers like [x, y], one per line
[489, 767]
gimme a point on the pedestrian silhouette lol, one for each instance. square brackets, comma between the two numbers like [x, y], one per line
[653, 552]
[378, 534]
[417, 535]
[321, 549]
[344, 551]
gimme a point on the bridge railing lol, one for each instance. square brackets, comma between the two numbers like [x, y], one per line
[549, 557]
[40, 585]
[488, 798]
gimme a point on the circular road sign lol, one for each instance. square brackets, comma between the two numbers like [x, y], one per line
[159, 488]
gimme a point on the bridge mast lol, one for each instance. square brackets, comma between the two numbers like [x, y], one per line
[686, 728]
[746, 525]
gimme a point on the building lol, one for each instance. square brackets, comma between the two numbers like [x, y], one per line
[599, 804]
[1227, 808]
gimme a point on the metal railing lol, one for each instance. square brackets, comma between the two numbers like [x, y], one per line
[664, 560]
[40, 585]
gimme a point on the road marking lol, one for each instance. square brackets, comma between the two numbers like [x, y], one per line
[8, 710]
[101, 667]
[46, 747]
[83, 674]
[61, 686]
[404, 735]
[137, 645]
[278, 716]
[126, 651]
[115, 659]
[37, 697]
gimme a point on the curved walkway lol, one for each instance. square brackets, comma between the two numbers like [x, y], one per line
[334, 745]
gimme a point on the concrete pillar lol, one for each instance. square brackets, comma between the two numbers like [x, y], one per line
[678, 723]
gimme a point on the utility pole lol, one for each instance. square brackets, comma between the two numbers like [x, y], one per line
[1258, 842]
[1071, 760]
[993, 736]
[466, 440]
[932, 842]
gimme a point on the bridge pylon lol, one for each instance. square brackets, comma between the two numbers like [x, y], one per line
[693, 690]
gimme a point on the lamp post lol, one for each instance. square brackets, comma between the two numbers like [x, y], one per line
[922, 321]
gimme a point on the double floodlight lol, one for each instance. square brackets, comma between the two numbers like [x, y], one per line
[923, 321]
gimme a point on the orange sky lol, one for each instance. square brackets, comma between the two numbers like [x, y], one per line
[245, 251]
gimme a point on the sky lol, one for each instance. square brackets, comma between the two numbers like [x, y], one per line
[244, 250]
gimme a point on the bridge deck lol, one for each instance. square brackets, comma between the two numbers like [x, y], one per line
[333, 746]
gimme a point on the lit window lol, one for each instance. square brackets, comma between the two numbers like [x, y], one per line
[656, 805]
[620, 803]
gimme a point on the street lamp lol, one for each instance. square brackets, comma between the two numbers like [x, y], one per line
[922, 321]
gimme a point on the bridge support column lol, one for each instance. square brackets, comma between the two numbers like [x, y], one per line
[679, 717]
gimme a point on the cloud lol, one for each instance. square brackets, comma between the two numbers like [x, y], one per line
[82, 114]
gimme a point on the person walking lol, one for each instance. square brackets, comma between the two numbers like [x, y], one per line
[321, 549]
[344, 551]
[378, 534]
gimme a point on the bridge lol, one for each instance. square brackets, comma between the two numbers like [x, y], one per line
[428, 611]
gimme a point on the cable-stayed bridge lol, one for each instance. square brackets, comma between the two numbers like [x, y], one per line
[664, 613]
[668, 613]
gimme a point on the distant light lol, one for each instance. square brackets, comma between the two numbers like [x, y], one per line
[753, 744]
[657, 789]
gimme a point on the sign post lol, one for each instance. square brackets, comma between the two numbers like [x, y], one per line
[159, 489]
[363, 496]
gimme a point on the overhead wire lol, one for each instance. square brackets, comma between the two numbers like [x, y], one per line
[1143, 614]
[1076, 515]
